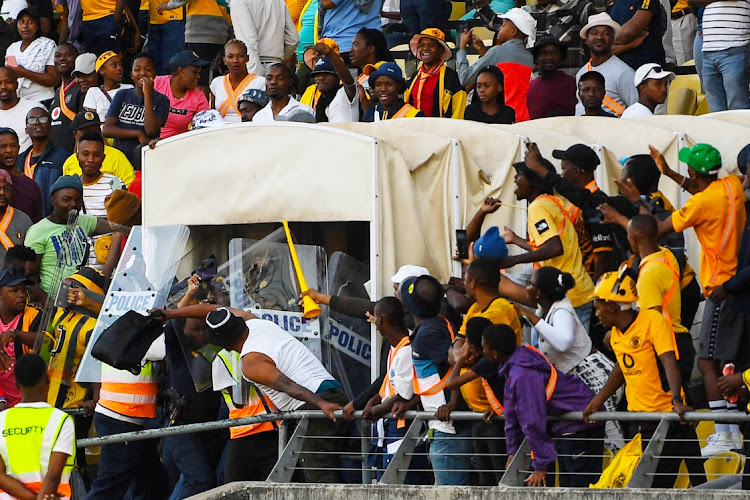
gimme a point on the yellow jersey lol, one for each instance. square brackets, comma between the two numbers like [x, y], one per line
[115, 163]
[659, 285]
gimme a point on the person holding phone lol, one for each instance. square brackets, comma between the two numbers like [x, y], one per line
[33, 60]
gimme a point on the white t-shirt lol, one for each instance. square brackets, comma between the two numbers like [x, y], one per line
[291, 358]
[265, 115]
[220, 95]
[341, 110]
[15, 118]
[401, 372]
[66, 439]
[95, 99]
[27, 88]
[636, 111]
[94, 195]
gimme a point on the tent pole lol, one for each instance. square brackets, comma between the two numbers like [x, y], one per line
[457, 220]
[375, 258]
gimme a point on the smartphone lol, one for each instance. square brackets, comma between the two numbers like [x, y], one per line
[10, 61]
[462, 243]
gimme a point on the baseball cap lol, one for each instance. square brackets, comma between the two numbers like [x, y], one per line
[91, 278]
[13, 277]
[743, 158]
[602, 19]
[389, 69]
[491, 245]
[651, 71]
[102, 59]
[579, 155]
[208, 119]
[186, 58]
[524, 169]
[322, 66]
[84, 119]
[85, 64]
[254, 95]
[407, 271]
[525, 23]
[703, 158]
[419, 306]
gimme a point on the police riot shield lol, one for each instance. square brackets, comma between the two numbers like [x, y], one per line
[262, 280]
[141, 282]
[347, 336]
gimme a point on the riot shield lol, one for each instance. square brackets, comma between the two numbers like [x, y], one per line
[348, 338]
[141, 282]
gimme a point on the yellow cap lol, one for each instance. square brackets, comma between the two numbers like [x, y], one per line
[106, 56]
[616, 286]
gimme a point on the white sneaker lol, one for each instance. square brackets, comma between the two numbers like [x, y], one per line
[718, 442]
[737, 439]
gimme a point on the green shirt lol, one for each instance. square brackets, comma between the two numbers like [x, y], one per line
[45, 238]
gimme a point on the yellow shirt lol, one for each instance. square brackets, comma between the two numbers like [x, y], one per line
[637, 350]
[474, 395]
[657, 282]
[719, 225]
[547, 220]
[97, 9]
[115, 163]
[499, 312]
[688, 273]
[168, 15]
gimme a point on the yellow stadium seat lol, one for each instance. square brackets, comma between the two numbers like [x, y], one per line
[458, 11]
[484, 34]
[682, 101]
[723, 464]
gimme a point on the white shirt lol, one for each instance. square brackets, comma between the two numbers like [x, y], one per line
[220, 95]
[265, 115]
[341, 110]
[94, 195]
[401, 372]
[95, 99]
[15, 118]
[618, 83]
[291, 358]
[27, 88]
[11, 8]
[65, 442]
[267, 29]
[636, 111]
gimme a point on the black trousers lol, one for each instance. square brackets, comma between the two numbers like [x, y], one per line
[321, 453]
[491, 454]
[251, 458]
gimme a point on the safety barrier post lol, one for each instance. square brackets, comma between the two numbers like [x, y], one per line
[515, 475]
[396, 471]
[643, 475]
[284, 469]
[365, 431]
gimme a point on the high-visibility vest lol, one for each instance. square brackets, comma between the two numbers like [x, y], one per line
[127, 394]
[561, 227]
[552, 382]
[726, 232]
[254, 406]
[387, 389]
[28, 437]
[495, 403]
[234, 94]
[405, 111]
[667, 296]
[610, 103]
[443, 383]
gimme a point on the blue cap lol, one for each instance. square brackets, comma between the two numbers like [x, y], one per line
[491, 245]
[254, 95]
[390, 69]
[13, 277]
[419, 306]
[743, 159]
[186, 58]
[323, 65]
[67, 182]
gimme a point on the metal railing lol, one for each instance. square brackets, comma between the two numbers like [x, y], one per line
[291, 442]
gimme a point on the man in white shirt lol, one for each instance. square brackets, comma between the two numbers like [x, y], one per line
[336, 98]
[13, 109]
[652, 83]
[279, 81]
[267, 29]
[286, 371]
[599, 34]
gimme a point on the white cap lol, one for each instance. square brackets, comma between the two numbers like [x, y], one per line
[85, 64]
[208, 119]
[408, 271]
[651, 71]
[525, 23]
[602, 19]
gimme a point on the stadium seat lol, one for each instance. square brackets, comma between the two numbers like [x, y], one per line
[459, 11]
[682, 101]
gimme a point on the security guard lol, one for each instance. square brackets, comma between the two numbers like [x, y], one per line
[644, 344]
[37, 444]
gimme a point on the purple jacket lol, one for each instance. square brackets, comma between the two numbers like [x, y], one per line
[526, 406]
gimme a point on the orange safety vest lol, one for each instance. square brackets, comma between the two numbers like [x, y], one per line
[28, 168]
[726, 232]
[4, 223]
[610, 103]
[575, 211]
[69, 114]
[667, 296]
[406, 111]
[127, 394]
[234, 94]
[495, 403]
[443, 383]
[387, 390]
[552, 382]
[560, 228]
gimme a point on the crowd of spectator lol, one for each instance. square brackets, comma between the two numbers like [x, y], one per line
[85, 86]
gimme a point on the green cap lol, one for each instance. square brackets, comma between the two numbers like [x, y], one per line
[703, 158]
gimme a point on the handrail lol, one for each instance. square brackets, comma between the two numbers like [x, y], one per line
[621, 416]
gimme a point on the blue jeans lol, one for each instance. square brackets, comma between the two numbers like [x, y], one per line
[380, 458]
[164, 41]
[725, 79]
[698, 55]
[101, 35]
[194, 460]
[449, 454]
[579, 457]
[584, 312]
[124, 463]
[419, 15]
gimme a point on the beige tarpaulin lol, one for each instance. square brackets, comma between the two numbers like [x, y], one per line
[738, 116]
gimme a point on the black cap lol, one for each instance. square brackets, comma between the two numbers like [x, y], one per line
[522, 168]
[223, 324]
[13, 277]
[84, 119]
[549, 40]
[186, 58]
[421, 307]
[579, 155]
